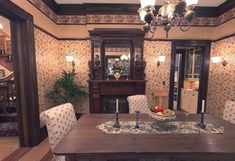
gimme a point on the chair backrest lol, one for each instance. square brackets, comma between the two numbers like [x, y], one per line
[59, 121]
[229, 112]
[138, 103]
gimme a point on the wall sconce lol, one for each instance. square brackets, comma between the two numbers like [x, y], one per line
[70, 60]
[161, 60]
[217, 59]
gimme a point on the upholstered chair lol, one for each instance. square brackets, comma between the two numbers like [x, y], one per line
[59, 121]
[138, 103]
[229, 112]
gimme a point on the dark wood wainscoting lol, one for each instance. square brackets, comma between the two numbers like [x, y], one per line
[102, 92]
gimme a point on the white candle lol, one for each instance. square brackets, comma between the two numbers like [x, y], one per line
[116, 105]
[203, 106]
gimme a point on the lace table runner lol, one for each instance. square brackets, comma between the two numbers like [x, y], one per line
[175, 127]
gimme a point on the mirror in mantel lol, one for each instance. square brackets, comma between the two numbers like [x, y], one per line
[117, 61]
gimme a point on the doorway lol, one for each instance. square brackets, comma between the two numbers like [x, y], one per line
[189, 75]
[24, 66]
[8, 110]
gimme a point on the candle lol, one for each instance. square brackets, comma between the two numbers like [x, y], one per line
[116, 105]
[203, 106]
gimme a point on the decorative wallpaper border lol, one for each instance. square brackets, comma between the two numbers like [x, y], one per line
[121, 19]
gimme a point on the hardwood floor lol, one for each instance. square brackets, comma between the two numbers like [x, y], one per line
[10, 151]
[8, 145]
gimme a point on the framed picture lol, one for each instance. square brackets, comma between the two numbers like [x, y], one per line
[2, 73]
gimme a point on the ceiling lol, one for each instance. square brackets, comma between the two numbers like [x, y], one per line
[207, 3]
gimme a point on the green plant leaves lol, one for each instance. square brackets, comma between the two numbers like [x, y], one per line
[66, 89]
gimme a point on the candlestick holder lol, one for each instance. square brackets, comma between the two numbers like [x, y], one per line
[137, 119]
[202, 124]
[117, 125]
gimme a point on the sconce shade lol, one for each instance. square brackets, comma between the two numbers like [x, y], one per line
[166, 11]
[145, 3]
[216, 59]
[162, 59]
[142, 14]
[69, 58]
[191, 2]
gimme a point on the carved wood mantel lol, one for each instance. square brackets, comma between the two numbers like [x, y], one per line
[102, 85]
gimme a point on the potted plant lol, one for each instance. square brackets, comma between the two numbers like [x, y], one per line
[66, 90]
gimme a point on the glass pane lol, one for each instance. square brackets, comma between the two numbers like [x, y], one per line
[117, 59]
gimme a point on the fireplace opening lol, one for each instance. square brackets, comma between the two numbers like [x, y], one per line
[109, 104]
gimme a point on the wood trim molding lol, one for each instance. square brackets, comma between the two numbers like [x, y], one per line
[57, 38]
[130, 9]
[123, 14]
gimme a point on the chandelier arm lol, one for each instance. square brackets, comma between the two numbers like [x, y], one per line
[180, 20]
[185, 29]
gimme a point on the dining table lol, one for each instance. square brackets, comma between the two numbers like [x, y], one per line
[87, 141]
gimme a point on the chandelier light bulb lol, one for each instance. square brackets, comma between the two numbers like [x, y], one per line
[142, 14]
[145, 3]
[191, 2]
[166, 11]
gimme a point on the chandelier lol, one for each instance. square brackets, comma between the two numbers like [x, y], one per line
[180, 14]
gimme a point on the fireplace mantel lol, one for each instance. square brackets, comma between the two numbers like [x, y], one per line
[114, 88]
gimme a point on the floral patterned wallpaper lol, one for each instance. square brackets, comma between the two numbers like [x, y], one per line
[50, 60]
[47, 61]
[80, 50]
[221, 87]
[50, 57]
[156, 75]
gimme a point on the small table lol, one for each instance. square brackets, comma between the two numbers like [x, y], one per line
[85, 141]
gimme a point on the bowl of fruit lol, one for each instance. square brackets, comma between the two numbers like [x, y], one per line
[159, 113]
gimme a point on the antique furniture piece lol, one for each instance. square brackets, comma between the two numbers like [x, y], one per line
[59, 121]
[138, 103]
[86, 141]
[229, 112]
[116, 68]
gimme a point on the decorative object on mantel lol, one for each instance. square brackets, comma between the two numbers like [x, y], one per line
[176, 127]
[97, 60]
[180, 14]
[217, 59]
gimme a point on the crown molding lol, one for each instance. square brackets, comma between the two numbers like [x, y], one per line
[126, 9]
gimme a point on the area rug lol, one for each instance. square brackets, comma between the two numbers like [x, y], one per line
[174, 127]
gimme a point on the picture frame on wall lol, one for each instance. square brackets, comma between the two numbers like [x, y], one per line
[2, 73]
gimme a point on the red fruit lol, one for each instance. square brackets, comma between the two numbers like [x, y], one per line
[160, 109]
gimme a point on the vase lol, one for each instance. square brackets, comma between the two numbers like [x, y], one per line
[117, 74]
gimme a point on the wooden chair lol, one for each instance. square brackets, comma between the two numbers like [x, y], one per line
[138, 103]
[229, 112]
[59, 121]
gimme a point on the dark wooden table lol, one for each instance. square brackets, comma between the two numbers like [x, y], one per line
[86, 141]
